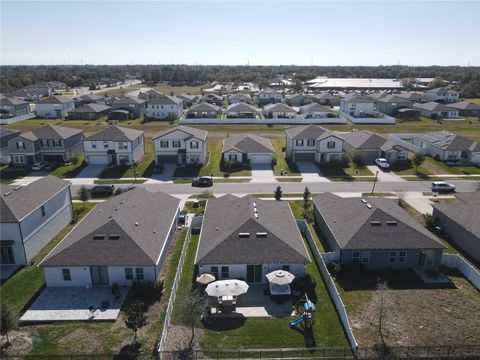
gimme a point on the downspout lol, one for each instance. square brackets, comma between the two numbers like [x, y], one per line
[23, 244]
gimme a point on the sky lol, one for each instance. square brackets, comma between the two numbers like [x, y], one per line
[240, 32]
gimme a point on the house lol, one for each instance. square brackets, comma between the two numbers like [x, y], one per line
[267, 96]
[180, 145]
[25, 95]
[114, 145]
[326, 99]
[5, 136]
[150, 95]
[247, 149]
[443, 95]
[10, 107]
[413, 97]
[136, 107]
[47, 143]
[279, 111]
[240, 98]
[55, 107]
[164, 107]
[123, 239]
[407, 113]
[316, 111]
[246, 238]
[312, 143]
[460, 222]
[212, 99]
[188, 100]
[296, 100]
[357, 106]
[203, 110]
[47, 88]
[376, 233]
[31, 216]
[88, 99]
[466, 108]
[448, 147]
[373, 146]
[90, 111]
[242, 110]
[436, 110]
[390, 104]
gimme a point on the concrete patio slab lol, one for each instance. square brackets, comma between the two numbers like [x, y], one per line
[262, 173]
[74, 304]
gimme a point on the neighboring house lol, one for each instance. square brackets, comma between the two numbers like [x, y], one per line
[373, 146]
[376, 233]
[460, 222]
[54, 107]
[297, 100]
[247, 149]
[316, 111]
[10, 107]
[448, 147]
[164, 107]
[390, 104]
[135, 107]
[212, 99]
[443, 95]
[151, 94]
[242, 110]
[188, 100]
[123, 239]
[436, 110]
[326, 99]
[90, 111]
[312, 143]
[357, 106]
[279, 111]
[31, 216]
[46, 88]
[466, 108]
[180, 145]
[5, 136]
[267, 96]
[240, 98]
[114, 145]
[246, 238]
[407, 113]
[203, 110]
[88, 99]
[25, 95]
[413, 97]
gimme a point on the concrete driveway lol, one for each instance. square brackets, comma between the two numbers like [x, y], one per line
[91, 171]
[310, 172]
[262, 173]
[165, 176]
[385, 176]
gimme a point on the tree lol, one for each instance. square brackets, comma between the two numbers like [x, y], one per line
[429, 221]
[83, 194]
[278, 193]
[135, 317]
[306, 197]
[8, 321]
[192, 308]
[382, 287]
[418, 160]
[308, 214]
[118, 191]
[357, 158]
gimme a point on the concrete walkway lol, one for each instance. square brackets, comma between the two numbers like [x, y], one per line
[262, 173]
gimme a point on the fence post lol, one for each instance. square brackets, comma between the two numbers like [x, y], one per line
[448, 352]
[468, 351]
[408, 348]
[428, 350]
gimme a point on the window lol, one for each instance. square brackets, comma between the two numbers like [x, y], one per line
[139, 274]
[232, 157]
[194, 145]
[44, 143]
[56, 143]
[42, 208]
[122, 145]
[128, 274]
[7, 256]
[392, 256]
[214, 271]
[105, 144]
[20, 145]
[176, 144]
[66, 275]
[331, 145]
[356, 257]
[453, 155]
[94, 145]
[18, 159]
[286, 267]
[299, 142]
[225, 272]
[402, 256]
[164, 144]
[311, 142]
[365, 257]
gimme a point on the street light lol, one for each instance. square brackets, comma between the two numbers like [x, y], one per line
[374, 182]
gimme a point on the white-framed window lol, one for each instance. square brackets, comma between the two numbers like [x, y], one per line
[175, 143]
[402, 256]
[356, 257]
[452, 155]
[20, 145]
[139, 274]
[44, 143]
[194, 145]
[392, 257]
[299, 142]
[365, 257]
[164, 144]
[311, 142]
[94, 145]
[331, 145]
[18, 159]
[123, 145]
[128, 274]
[232, 157]
[67, 276]
[57, 143]
[105, 144]
[214, 271]
[225, 272]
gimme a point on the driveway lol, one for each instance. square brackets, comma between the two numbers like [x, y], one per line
[310, 172]
[165, 176]
[262, 173]
[91, 171]
[385, 176]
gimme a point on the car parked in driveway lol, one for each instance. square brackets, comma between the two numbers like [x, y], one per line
[203, 181]
[442, 186]
[104, 189]
[39, 166]
[382, 163]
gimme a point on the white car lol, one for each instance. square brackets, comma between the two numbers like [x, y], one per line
[38, 166]
[382, 163]
[439, 186]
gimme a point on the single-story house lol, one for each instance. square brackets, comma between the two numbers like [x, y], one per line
[213, 99]
[54, 107]
[164, 107]
[135, 107]
[390, 104]
[123, 239]
[188, 99]
[279, 111]
[31, 216]
[10, 107]
[114, 145]
[316, 111]
[246, 238]
[357, 106]
[240, 98]
[88, 99]
[436, 110]
[326, 99]
[248, 148]
[466, 108]
[203, 110]
[5, 136]
[90, 111]
[296, 100]
[242, 110]
[375, 232]
[443, 95]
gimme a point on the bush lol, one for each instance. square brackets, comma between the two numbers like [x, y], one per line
[146, 289]
[74, 160]
[429, 221]
[434, 116]
[306, 284]
[436, 157]
[334, 268]
[357, 158]
[274, 161]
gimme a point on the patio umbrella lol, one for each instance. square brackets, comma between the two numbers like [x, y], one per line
[226, 288]
[280, 277]
[205, 278]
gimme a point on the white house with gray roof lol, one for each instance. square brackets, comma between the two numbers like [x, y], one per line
[54, 107]
[164, 107]
[114, 145]
[247, 149]
[122, 240]
[279, 111]
[444, 95]
[242, 110]
[357, 106]
[203, 110]
[316, 111]
[31, 216]
[436, 110]
[246, 238]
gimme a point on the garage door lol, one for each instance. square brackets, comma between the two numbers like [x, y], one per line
[167, 159]
[98, 159]
[260, 159]
[475, 158]
[304, 157]
[369, 156]
[53, 158]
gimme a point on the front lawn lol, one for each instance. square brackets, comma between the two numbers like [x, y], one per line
[214, 163]
[143, 169]
[70, 170]
[407, 168]
[439, 167]
[9, 173]
[282, 162]
[349, 171]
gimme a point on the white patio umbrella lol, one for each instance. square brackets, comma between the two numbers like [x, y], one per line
[280, 277]
[227, 288]
[205, 278]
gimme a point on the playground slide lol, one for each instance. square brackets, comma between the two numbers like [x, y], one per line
[298, 321]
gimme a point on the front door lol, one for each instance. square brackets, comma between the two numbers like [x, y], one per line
[254, 273]
[99, 275]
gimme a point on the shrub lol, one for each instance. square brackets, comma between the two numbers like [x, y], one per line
[274, 161]
[118, 191]
[429, 221]
[434, 116]
[357, 158]
[74, 160]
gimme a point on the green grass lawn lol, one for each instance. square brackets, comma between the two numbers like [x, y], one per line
[143, 169]
[70, 170]
[119, 181]
[295, 179]
[450, 169]
[407, 168]
[213, 165]
[348, 171]
[8, 173]
[282, 162]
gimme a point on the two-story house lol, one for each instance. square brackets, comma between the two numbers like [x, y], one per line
[54, 107]
[213, 99]
[135, 107]
[313, 143]
[188, 99]
[357, 106]
[5, 136]
[181, 145]
[390, 104]
[443, 95]
[47, 143]
[164, 107]
[267, 96]
[31, 216]
[10, 107]
[436, 110]
[114, 145]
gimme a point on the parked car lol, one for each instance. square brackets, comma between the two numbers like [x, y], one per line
[104, 189]
[382, 163]
[442, 186]
[52, 166]
[203, 181]
[39, 166]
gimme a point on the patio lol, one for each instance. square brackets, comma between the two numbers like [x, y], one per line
[75, 303]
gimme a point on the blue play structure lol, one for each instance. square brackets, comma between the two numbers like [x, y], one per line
[309, 309]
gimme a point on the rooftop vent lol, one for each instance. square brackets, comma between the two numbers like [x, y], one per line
[7, 193]
[244, 234]
[369, 206]
[391, 223]
[99, 237]
[261, 234]
[375, 223]
[17, 188]
[364, 201]
[136, 223]
[113, 236]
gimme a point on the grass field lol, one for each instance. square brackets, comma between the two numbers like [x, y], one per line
[282, 163]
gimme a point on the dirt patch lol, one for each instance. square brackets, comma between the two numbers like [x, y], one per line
[81, 341]
[179, 336]
[21, 342]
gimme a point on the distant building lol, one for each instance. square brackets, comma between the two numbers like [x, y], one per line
[436, 110]
[10, 107]
[55, 107]
[357, 106]
[90, 111]
[466, 108]
[443, 95]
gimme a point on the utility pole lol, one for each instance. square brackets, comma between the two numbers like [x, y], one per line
[374, 182]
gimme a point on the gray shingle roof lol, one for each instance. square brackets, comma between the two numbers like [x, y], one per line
[242, 107]
[314, 107]
[115, 133]
[310, 132]
[240, 97]
[413, 96]
[357, 99]
[16, 204]
[91, 108]
[364, 139]
[7, 101]
[122, 99]
[326, 96]
[433, 106]
[56, 99]
[350, 221]
[228, 216]
[248, 143]
[90, 97]
[140, 218]
[165, 100]
[198, 133]
[464, 213]
[465, 105]
[279, 107]
[203, 106]
[51, 132]
[392, 99]
[8, 132]
[446, 140]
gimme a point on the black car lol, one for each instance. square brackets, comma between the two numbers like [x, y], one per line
[106, 189]
[202, 181]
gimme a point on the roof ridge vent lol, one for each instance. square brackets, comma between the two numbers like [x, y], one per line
[368, 206]
[364, 201]
[7, 193]
[17, 187]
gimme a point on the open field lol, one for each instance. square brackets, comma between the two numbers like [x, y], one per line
[167, 89]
